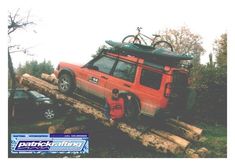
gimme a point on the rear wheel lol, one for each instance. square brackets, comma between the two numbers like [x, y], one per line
[132, 106]
[66, 84]
[163, 44]
[49, 114]
[131, 39]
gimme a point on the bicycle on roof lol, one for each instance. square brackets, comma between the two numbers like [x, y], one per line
[139, 37]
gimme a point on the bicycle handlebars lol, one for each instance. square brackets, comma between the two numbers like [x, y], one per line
[139, 28]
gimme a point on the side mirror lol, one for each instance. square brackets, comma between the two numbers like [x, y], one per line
[86, 65]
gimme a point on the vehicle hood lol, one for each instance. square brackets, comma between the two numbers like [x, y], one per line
[66, 64]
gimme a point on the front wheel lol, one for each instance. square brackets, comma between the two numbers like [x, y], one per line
[131, 39]
[66, 84]
[163, 44]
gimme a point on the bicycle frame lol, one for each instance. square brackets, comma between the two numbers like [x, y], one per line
[140, 36]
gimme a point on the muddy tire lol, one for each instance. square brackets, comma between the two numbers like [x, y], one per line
[132, 107]
[66, 83]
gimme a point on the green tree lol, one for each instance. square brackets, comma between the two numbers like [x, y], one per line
[210, 82]
[220, 49]
[184, 42]
[34, 68]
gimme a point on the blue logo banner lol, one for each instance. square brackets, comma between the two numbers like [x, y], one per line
[49, 143]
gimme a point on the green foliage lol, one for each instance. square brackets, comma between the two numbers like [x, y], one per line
[214, 139]
[34, 68]
[210, 82]
[211, 86]
[221, 50]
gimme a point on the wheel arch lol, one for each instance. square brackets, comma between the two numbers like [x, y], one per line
[68, 71]
[125, 93]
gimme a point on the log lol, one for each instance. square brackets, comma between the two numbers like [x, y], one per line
[171, 137]
[56, 129]
[151, 140]
[189, 127]
[40, 124]
[202, 152]
[50, 78]
[74, 129]
[182, 132]
[191, 153]
[147, 139]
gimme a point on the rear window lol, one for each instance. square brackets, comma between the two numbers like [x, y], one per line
[151, 79]
[180, 80]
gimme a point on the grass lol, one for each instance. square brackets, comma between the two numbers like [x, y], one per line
[106, 142]
[214, 139]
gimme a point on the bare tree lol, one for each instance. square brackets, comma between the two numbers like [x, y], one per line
[184, 42]
[15, 22]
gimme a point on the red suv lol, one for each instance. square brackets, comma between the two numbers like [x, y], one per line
[155, 84]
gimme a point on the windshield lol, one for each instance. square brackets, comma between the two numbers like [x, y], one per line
[36, 94]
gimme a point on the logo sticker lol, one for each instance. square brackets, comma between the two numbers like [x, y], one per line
[49, 143]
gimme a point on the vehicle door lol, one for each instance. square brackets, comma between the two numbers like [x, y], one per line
[96, 74]
[23, 104]
[123, 77]
[150, 90]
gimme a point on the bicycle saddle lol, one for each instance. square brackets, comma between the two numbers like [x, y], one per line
[156, 35]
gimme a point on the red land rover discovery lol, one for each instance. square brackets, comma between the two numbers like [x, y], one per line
[155, 85]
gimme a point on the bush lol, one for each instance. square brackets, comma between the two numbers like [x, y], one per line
[34, 68]
[210, 83]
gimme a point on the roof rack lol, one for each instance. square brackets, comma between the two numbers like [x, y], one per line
[147, 52]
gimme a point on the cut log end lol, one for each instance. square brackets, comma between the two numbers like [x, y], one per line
[56, 129]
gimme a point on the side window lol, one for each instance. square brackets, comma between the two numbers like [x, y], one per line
[125, 70]
[151, 79]
[104, 64]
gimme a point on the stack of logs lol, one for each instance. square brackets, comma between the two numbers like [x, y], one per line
[162, 141]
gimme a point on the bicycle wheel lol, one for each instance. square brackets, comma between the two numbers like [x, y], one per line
[131, 39]
[163, 44]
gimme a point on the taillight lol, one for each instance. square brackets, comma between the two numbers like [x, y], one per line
[167, 90]
[167, 68]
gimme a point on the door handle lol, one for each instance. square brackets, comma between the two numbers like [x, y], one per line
[127, 85]
[104, 77]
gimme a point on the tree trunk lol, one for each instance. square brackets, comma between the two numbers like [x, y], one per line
[13, 87]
